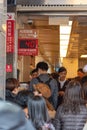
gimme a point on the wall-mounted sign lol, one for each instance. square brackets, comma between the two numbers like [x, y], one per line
[27, 42]
[28, 47]
[9, 68]
[10, 33]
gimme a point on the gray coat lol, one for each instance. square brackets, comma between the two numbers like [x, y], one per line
[13, 118]
[70, 121]
[53, 87]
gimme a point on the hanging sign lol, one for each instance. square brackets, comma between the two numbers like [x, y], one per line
[10, 33]
[27, 42]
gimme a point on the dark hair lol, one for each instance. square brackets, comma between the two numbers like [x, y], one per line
[42, 65]
[84, 91]
[23, 97]
[55, 75]
[81, 70]
[72, 97]
[33, 71]
[38, 111]
[61, 69]
[12, 83]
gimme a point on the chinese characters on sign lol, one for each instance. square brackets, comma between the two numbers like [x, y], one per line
[27, 42]
[10, 33]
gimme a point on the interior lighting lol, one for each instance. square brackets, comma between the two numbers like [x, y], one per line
[64, 39]
[70, 23]
[83, 56]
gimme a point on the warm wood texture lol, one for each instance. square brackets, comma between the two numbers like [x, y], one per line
[48, 36]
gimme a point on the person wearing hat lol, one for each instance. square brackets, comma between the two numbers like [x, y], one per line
[42, 68]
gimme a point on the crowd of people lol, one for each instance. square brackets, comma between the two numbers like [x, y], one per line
[49, 102]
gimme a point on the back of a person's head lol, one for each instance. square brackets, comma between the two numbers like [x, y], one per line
[11, 84]
[38, 111]
[12, 117]
[73, 96]
[80, 70]
[73, 91]
[62, 69]
[42, 65]
[23, 97]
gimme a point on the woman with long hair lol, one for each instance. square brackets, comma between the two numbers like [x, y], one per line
[72, 114]
[38, 113]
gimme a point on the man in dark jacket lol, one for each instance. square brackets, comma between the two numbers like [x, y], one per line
[42, 68]
[62, 82]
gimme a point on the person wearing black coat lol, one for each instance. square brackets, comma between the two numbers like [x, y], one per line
[62, 83]
[12, 85]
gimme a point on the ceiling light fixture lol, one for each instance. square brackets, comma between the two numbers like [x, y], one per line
[83, 56]
[64, 38]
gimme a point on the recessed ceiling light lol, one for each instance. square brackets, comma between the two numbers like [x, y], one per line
[83, 56]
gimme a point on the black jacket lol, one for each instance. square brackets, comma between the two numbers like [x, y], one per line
[60, 98]
[10, 96]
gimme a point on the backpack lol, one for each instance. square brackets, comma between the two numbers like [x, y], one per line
[45, 90]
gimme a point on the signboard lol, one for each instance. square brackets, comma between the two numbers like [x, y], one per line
[27, 42]
[10, 33]
[9, 68]
[28, 47]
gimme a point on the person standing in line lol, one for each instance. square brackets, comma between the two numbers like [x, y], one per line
[42, 68]
[38, 114]
[12, 86]
[80, 75]
[33, 74]
[72, 114]
[84, 93]
[62, 82]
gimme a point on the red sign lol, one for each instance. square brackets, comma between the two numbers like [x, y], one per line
[9, 68]
[28, 42]
[10, 35]
[28, 47]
